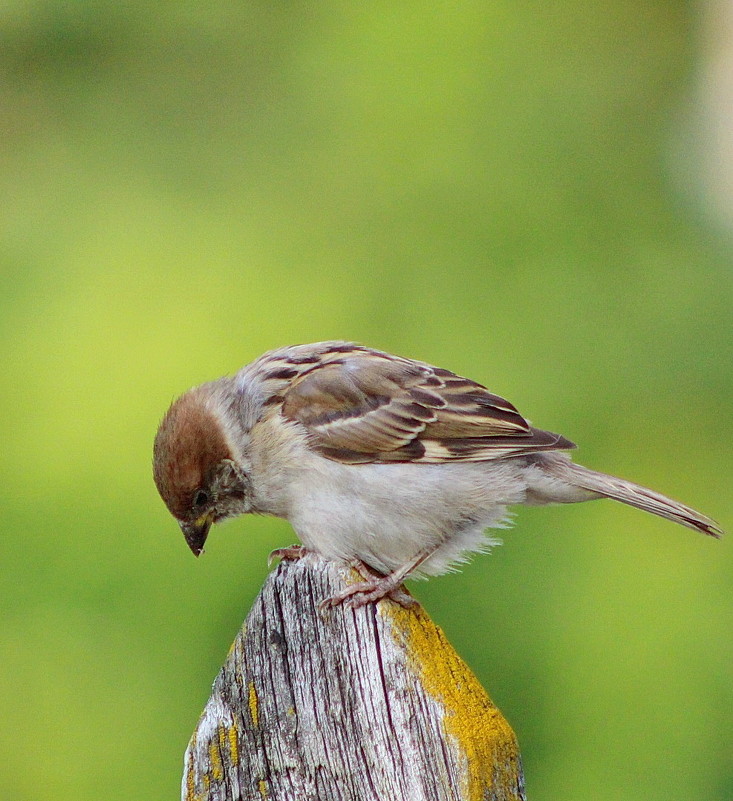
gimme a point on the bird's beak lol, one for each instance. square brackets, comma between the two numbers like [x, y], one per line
[197, 532]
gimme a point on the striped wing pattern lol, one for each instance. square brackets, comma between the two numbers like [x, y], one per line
[361, 406]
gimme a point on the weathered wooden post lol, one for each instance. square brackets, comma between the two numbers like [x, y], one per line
[370, 704]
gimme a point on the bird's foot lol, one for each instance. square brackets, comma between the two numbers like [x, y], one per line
[374, 587]
[290, 553]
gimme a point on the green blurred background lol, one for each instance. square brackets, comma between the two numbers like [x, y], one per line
[522, 192]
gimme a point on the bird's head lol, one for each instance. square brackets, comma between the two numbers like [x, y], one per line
[195, 469]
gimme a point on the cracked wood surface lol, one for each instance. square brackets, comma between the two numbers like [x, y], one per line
[370, 704]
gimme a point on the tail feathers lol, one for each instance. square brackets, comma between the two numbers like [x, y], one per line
[634, 495]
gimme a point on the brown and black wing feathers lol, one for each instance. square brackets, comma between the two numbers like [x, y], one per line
[371, 407]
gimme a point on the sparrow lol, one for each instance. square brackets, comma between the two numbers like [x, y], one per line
[389, 464]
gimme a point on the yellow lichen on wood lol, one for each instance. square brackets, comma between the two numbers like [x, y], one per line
[222, 750]
[262, 786]
[191, 794]
[254, 711]
[217, 770]
[471, 719]
[228, 748]
[233, 745]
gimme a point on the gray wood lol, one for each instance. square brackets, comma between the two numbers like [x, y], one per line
[370, 704]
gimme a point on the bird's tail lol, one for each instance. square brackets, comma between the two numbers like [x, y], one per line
[632, 494]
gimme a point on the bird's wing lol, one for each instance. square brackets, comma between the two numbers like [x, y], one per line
[366, 406]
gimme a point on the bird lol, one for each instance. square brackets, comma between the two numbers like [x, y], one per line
[394, 466]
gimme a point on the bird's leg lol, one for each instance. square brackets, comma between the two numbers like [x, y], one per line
[290, 553]
[376, 586]
[372, 577]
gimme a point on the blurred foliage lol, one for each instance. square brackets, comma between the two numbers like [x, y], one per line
[485, 186]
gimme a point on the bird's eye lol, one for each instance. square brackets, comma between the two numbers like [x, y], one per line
[201, 498]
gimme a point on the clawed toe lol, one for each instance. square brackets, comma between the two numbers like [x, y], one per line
[290, 553]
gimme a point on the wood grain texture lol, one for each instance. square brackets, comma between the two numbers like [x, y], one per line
[370, 704]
